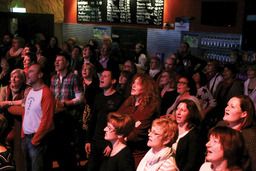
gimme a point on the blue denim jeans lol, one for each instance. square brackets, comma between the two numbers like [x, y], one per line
[36, 157]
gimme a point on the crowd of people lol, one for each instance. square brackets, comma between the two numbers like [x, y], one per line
[80, 103]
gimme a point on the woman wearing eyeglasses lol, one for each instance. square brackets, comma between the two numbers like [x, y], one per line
[186, 88]
[143, 106]
[161, 156]
[118, 127]
[188, 147]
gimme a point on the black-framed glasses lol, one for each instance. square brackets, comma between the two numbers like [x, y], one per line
[181, 82]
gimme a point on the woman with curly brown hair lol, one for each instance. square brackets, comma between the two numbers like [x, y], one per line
[143, 106]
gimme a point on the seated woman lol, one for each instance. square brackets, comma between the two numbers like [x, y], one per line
[13, 94]
[250, 83]
[203, 94]
[119, 126]
[124, 84]
[13, 56]
[161, 156]
[168, 93]
[226, 89]
[224, 150]
[29, 59]
[240, 115]
[155, 67]
[188, 147]
[143, 105]
[130, 66]
[186, 88]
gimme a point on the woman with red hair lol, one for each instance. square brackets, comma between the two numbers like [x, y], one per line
[240, 115]
[224, 150]
[143, 106]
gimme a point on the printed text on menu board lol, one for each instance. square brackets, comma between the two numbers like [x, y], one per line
[145, 12]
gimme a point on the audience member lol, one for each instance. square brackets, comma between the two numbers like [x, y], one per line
[109, 101]
[4, 71]
[124, 84]
[66, 48]
[213, 76]
[161, 156]
[250, 83]
[168, 90]
[130, 66]
[119, 126]
[37, 122]
[140, 58]
[13, 56]
[226, 89]
[155, 67]
[7, 44]
[72, 42]
[143, 105]
[29, 47]
[9, 95]
[29, 59]
[186, 88]
[224, 150]
[189, 153]
[240, 115]
[68, 93]
[13, 94]
[179, 66]
[94, 44]
[76, 60]
[51, 52]
[106, 59]
[91, 89]
[41, 59]
[203, 94]
[190, 61]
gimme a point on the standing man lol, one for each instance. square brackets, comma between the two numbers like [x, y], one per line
[68, 92]
[37, 122]
[7, 44]
[106, 59]
[190, 61]
[108, 101]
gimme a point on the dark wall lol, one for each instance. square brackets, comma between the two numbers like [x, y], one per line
[28, 24]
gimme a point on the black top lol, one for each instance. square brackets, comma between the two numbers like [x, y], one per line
[167, 100]
[103, 105]
[122, 161]
[190, 152]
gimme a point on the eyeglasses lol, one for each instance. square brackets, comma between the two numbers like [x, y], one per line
[163, 76]
[153, 132]
[181, 82]
[104, 48]
[109, 129]
[86, 69]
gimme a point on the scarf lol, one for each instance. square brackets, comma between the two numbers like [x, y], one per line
[152, 73]
[19, 93]
[17, 53]
[155, 161]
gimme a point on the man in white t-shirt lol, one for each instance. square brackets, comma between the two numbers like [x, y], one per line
[37, 121]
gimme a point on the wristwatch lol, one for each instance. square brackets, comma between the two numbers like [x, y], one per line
[11, 104]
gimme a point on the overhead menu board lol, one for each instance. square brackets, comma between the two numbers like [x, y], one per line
[145, 12]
